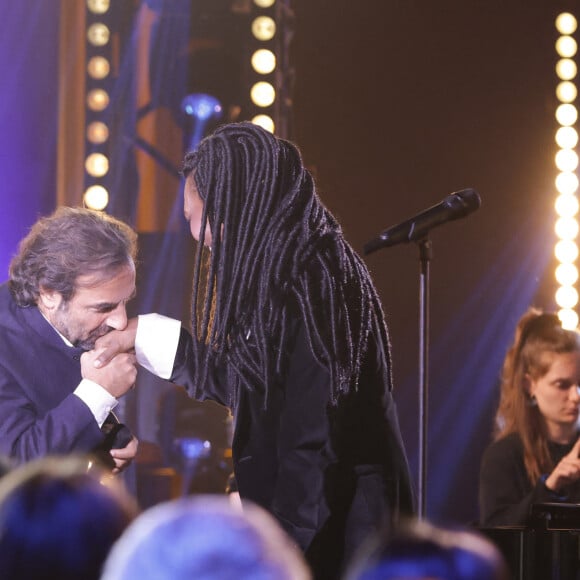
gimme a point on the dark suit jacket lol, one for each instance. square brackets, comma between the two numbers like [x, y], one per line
[39, 415]
[329, 474]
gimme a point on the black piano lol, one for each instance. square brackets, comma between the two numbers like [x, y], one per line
[548, 548]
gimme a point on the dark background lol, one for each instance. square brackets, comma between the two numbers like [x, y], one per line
[396, 105]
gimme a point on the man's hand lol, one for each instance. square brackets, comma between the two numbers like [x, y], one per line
[117, 377]
[115, 342]
[567, 471]
[123, 457]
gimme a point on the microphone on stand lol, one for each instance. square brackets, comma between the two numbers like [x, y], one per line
[456, 205]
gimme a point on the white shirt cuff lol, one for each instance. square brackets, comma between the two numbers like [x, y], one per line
[96, 398]
[156, 343]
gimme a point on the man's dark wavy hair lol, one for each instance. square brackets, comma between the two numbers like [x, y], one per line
[277, 254]
[69, 243]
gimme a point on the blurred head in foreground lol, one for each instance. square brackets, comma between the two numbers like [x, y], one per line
[57, 520]
[204, 537]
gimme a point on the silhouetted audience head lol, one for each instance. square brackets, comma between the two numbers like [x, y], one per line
[58, 520]
[205, 538]
[420, 551]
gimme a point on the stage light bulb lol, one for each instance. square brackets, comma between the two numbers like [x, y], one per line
[98, 67]
[566, 69]
[566, 205]
[566, 46]
[566, 297]
[566, 23]
[96, 197]
[566, 228]
[263, 61]
[98, 6]
[566, 160]
[98, 100]
[97, 165]
[566, 251]
[264, 28]
[567, 137]
[264, 3]
[567, 183]
[566, 114]
[566, 274]
[97, 132]
[263, 94]
[566, 92]
[201, 106]
[264, 121]
[98, 34]
[568, 318]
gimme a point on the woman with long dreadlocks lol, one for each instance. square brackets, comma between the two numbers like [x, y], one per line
[535, 455]
[287, 331]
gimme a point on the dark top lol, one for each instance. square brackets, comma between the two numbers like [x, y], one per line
[39, 414]
[329, 474]
[505, 491]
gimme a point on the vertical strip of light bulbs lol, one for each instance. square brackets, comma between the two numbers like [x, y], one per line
[566, 249]
[263, 92]
[98, 38]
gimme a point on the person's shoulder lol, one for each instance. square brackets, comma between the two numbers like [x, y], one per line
[509, 444]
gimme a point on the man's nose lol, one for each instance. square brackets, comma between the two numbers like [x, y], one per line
[117, 319]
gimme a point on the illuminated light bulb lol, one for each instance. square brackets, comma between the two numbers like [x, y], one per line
[98, 6]
[566, 228]
[98, 67]
[566, 114]
[98, 100]
[566, 297]
[263, 94]
[263, 61]
[566, 160]
[96, 197]
[263, 28]
[98, 34]
[566, 92]
[568, 318]
[566, 251]
[264, 3]
[566, 23]
[97, 132]
[566, 274]
[264, 121]
[566, 69]
[566, 183]
[567, 137]
[566, 46]
[566, 205]
[97, 165]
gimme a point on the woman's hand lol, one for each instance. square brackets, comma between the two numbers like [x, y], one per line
[567, 471]
[115, 342]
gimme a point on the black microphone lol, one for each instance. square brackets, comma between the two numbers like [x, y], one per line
[456, 205]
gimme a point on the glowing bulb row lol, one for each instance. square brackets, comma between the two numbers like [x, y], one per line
[263, 61]
[97, 100]
[566, 161]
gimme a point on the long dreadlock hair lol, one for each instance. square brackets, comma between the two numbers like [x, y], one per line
[276, 254]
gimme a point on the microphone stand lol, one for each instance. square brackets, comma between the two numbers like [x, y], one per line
[425, 255]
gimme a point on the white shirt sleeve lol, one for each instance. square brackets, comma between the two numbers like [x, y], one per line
[156, 343]
[96, 398]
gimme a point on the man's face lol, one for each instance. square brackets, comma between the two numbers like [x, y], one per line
[96, 307]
